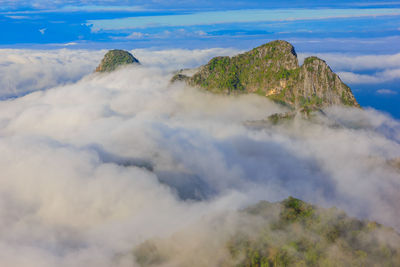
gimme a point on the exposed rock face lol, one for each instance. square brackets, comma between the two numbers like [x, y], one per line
[273, 70]
[114, 59]
[320, 86]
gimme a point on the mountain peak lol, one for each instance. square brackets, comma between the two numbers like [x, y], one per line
[278, 54]
[278, 47]
[272, 70]
[114, 59]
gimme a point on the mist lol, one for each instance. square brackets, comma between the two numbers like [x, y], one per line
[95, 164]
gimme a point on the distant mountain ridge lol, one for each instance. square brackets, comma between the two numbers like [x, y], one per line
[272, 70]
[286, 233]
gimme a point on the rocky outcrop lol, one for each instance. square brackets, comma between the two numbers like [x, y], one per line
[114, 59]
[272, 70]
[319, 86]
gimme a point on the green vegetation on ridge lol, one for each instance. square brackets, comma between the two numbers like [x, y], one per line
[272, 70]
[114, 59]
[257, 69]
[304, 235]
[287, 233]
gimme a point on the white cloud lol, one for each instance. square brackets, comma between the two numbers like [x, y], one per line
[69, 44]
[354, 78]
[386, 92]
[18, 17]
[176, 59]
[201, 33]
[353, 62]
[135, 35]
[379, 77]
[235, 16]
[179, 33]
[92, 168]
[70, 5]
[381, 3]
[24, 70]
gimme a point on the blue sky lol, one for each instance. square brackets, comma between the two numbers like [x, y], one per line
[199, 23]
[346, 27]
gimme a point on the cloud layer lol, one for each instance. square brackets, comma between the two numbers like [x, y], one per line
[25, 70]
[92, 168]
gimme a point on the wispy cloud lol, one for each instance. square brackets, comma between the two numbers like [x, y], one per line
[386, 92]
[369, 4]
[17, 17]
[356, 62]
[135, 35]
[378, 77]
[70, 5]
[235, 16]
[165, 34]
[94, 8]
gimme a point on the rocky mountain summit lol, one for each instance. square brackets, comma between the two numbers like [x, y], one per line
[114, 59]
[273, 70]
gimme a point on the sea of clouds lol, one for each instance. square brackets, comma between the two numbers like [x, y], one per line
[94, 164]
